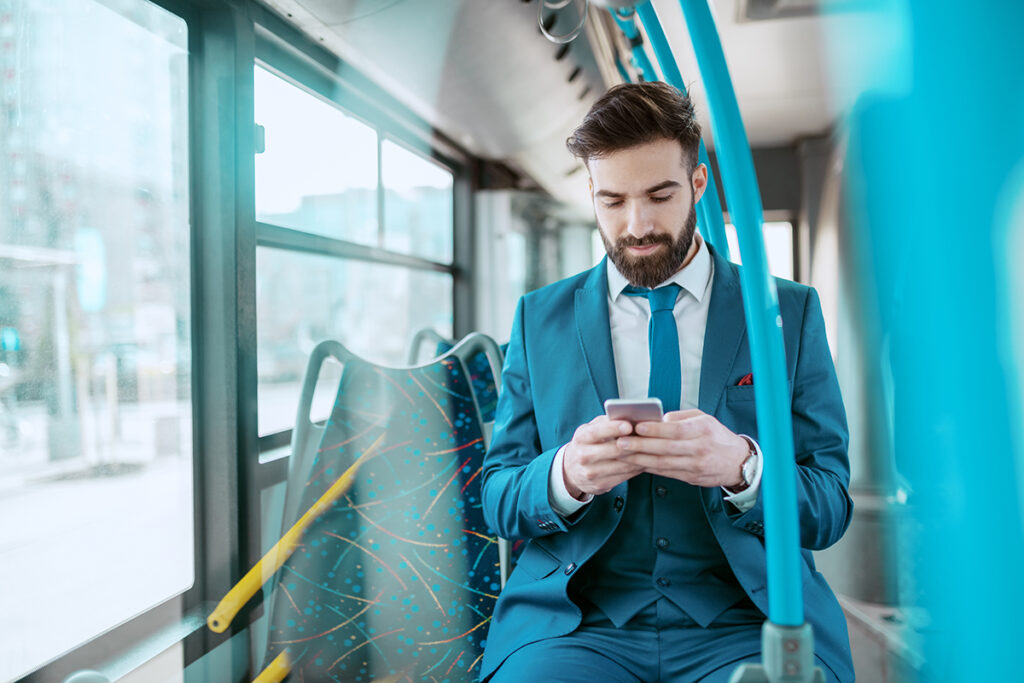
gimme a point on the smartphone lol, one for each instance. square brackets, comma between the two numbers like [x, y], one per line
[634, 410]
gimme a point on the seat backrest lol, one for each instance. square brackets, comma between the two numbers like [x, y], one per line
[397, 577]
[485, 382]
[426, 344]
[481, 374]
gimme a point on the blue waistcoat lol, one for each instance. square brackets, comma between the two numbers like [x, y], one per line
[662, 547]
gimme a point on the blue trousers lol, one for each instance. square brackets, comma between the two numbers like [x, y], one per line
[661, 643]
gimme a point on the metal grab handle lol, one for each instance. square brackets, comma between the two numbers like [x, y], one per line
[567, 37]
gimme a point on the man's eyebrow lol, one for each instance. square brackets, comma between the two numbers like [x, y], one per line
[664, 185]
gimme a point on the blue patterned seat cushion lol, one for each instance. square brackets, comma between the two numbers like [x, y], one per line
[482, 379]
[399, 577]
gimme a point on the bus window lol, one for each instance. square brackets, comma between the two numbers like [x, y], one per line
[318, 169]
[417, 204]
[96, 512]
[778, 246]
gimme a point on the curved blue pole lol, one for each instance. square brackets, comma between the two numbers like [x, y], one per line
[640, 58]
[710, 206]
[764, 322]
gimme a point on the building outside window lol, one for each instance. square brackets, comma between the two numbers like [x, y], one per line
[95, 333]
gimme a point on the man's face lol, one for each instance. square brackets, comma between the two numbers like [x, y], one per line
[644, 200]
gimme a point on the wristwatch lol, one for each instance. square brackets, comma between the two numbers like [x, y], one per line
[748, 470]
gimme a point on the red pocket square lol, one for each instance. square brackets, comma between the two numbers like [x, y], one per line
[748, 379]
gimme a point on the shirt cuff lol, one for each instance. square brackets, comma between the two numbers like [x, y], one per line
[745, 499]
[561, 500]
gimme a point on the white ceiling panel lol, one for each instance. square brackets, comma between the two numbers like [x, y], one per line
[480, 71]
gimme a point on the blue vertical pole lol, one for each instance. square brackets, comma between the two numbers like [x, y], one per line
[710, 206]
[764, 322]
[939, 178]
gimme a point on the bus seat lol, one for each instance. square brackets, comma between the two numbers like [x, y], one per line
[398, 575]
[479, 367]
[426, 344]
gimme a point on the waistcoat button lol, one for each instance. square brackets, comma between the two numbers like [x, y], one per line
[619, 503]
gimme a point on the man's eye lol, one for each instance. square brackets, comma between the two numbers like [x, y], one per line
[659, 200]
[613, 204]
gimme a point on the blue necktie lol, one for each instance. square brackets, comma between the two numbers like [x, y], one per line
[666, 375]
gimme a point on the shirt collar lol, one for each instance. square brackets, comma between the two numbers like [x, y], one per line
[693, 278]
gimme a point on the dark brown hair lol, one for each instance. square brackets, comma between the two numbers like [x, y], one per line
[632, 114]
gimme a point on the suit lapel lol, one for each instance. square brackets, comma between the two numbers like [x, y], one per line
[723, 334]
[594, 332]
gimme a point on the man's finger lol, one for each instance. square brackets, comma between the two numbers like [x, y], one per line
[599, 452]
[605, 475]
[677, 415]
[619, 470]
[657, 446]
[690, 428]
[597, 432]
[661, 464]
[660, 430]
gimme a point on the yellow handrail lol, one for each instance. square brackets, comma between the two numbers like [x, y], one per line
[276, 670]
[242, 592]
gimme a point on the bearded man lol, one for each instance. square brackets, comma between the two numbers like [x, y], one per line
[645, 558]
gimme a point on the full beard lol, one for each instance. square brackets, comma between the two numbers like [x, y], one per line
[651, 270]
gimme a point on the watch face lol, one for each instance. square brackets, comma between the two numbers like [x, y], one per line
[749, 468]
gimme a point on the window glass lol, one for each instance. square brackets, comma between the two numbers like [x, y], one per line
[95, 367]
[318, 170]
[371, 308]
[778, 247]
[418, 195]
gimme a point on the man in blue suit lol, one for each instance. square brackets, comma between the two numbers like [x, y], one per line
[645, 558]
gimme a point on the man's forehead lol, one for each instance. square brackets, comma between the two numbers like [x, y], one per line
[639, 167]
[668, 148]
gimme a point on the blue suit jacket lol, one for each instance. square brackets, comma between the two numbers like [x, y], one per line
[558, 372]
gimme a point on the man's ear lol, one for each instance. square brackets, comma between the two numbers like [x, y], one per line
[699, 180]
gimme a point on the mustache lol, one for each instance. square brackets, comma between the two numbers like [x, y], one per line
[647, 240]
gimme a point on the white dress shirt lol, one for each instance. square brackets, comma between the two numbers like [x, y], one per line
[629, 317]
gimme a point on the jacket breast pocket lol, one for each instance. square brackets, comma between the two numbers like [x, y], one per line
[740, 413]
[745, 393]
[739, 394]
[537, 563]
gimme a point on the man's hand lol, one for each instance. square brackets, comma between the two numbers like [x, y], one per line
[689, 445]
[593, 462]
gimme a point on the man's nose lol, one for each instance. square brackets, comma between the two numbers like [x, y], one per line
[640, 222]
